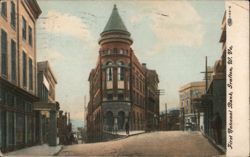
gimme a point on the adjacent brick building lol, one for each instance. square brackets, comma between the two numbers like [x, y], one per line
[18, 90]
[121, 88]
[214, 101]
[47, 107]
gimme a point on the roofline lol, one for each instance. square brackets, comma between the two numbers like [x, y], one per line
[49, 69]
[35, 8]
[192, 84]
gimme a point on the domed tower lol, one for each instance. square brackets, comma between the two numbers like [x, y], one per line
[119, 85]
[115, 54]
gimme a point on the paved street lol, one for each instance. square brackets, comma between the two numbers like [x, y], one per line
[174, 143]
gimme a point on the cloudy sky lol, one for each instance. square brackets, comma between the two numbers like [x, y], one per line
[175, 45]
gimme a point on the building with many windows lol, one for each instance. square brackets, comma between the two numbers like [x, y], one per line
[122, 90]
[188, 113]
[46, 82]
[47, 107]
[18, 70]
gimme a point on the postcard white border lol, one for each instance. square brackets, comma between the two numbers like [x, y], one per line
[237, 18]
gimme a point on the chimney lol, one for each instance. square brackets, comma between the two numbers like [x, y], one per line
[144, 65]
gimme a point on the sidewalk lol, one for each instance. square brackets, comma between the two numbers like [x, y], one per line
[131, 133]
[218, 147]
[39, 150]
[123, 133]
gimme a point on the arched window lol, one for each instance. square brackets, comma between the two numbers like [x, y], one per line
[109, 72]
[115, 50]
[121, 51]
[109, 51]
[121, 71]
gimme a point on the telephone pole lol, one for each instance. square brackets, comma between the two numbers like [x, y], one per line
[166, 114]
[206, 74]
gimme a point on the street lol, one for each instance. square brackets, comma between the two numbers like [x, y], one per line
[172, 143]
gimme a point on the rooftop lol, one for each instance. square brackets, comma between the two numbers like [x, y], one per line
[115, 22]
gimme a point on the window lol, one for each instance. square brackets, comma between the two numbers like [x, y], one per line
[28, 107]
[109, 51]
[24, 29]
[121, 51]
[187, 107]
[137, 83]
[13, 60]
[115, 51]
[126, 52]
[2, 95]
[105, 52]
[30, 36]
[11, 99]
[110, 97]
[24, 69]
[4, 9]
[30, 74]
[138, 99]
[120, 72]
[4, 52]
[120, 97]
[109, 72]
[13, 14]
[10, 128]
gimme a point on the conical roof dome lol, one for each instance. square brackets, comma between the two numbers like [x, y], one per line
[115, 22]
[115, 30]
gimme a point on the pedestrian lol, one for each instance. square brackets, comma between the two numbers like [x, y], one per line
[115, 126]
[127, 128]
[216, 127]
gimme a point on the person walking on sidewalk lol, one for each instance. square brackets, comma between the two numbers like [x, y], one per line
[127, 128]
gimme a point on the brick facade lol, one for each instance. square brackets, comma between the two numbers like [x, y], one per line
[118, 86]
[18, 81]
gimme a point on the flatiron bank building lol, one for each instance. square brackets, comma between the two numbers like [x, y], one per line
[121, 88]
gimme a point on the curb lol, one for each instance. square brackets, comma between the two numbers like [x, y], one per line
[126, 136]
[218, 147]
[56, 154]
[136, 134]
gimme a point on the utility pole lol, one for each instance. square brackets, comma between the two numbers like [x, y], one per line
[206, 73]
[166, 114]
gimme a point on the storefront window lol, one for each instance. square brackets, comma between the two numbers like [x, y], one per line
[1, 128]
[20, 123]
[11, 128]
[29, 128]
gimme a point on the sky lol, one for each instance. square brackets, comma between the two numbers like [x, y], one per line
[174, 45]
